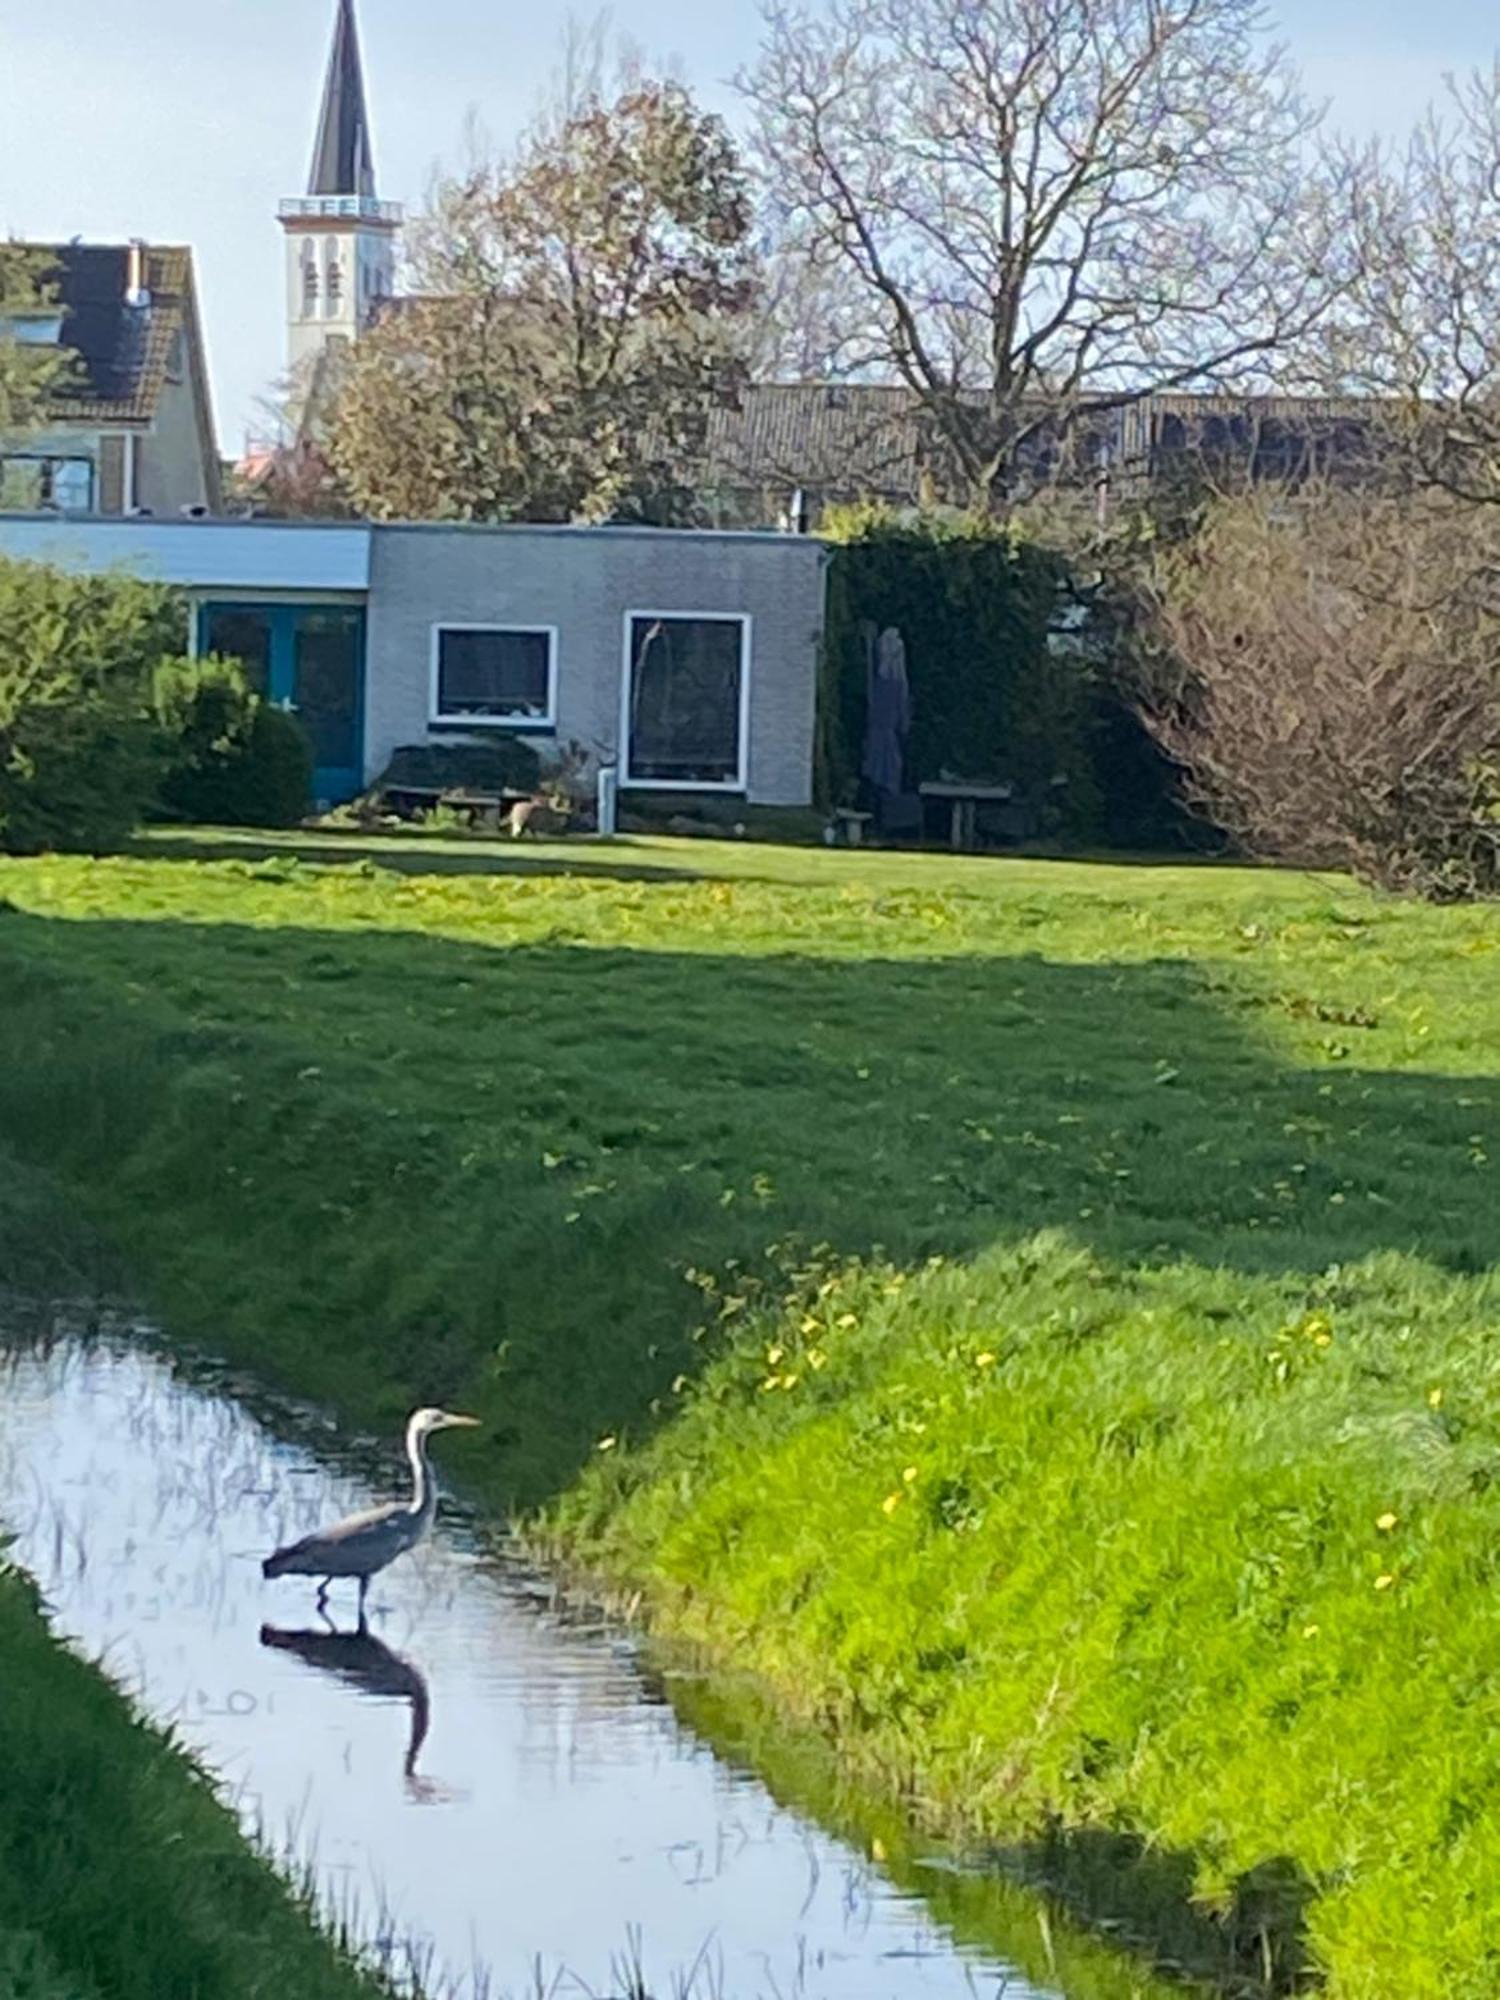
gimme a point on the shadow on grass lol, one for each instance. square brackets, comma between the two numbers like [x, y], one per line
[405, 855]
[401, 1160]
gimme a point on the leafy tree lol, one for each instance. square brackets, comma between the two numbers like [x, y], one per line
[1050, 208]
[577, 315]
[29, 372]
[80, 750]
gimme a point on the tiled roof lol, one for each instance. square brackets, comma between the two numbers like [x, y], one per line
[124, 350]
[859, 440]
[849, 439]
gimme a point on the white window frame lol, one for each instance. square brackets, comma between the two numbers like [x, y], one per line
[740, 782]
[435, 715]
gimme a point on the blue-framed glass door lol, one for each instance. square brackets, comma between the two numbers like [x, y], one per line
[309, 658]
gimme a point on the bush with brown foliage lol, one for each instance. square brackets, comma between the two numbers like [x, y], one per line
[1325, 672]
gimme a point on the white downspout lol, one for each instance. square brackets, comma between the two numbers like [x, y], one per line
[132, 493]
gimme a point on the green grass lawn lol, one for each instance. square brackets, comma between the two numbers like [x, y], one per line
[1033, 1317]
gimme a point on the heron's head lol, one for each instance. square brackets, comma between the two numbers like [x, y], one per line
[425, 1422]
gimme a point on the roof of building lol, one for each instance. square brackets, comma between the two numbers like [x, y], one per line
[343, 159]
[861, 439]
[128, 345]
[835, 437]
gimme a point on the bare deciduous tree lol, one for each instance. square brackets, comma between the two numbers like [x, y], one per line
[1327, 677]
[1048, 205]
[1417, 329]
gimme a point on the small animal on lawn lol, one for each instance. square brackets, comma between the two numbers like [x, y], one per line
[366, 1542]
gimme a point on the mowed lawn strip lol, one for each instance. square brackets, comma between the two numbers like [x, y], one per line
[1037, 1317]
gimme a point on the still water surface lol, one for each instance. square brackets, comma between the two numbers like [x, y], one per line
[491, 1791]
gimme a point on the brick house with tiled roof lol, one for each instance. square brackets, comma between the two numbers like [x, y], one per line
[129, 428]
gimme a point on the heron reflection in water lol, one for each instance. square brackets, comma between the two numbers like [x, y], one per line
[364, 1662]
[365, 1543]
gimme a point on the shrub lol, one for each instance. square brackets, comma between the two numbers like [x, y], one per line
[1328, 678]
[80, 752]
[1010, 674]
[232, 758]
[501, 763]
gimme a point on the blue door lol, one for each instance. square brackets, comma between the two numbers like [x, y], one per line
[309, 658]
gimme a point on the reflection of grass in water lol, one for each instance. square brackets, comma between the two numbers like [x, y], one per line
[396, 1137]
[973, 1897]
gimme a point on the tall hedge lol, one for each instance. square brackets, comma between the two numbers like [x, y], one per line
[1011, 675]
[974, 605]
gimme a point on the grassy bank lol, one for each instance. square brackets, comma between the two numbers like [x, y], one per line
[122, 1877]
[1035, 1316]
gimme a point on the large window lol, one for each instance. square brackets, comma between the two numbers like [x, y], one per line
[685, 689]
[493, 673]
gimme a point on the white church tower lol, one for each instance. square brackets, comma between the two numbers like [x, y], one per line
[340, 238]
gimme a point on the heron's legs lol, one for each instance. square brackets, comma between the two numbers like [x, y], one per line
[364, 1585]
[323, 1593]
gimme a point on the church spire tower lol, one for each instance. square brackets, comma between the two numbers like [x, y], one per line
[340, 237]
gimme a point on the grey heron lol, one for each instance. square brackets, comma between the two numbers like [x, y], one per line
[366, 1542]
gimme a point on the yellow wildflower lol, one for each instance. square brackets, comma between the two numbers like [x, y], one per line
[1386, 1523]
[1434, 1399]
[891, 1502]
[909, 1474]
[1384, 1582]
[846, 1319]
[608, 1444]
[984, 1360]
[1309, 1631]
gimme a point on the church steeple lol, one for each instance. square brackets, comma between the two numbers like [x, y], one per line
[341, 238]
[343, 162]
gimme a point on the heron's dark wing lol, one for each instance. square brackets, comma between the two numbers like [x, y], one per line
[343, 1531]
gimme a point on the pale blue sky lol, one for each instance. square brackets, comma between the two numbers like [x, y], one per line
[187, 120]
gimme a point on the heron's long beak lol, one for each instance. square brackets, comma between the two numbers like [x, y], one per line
[464, 1423]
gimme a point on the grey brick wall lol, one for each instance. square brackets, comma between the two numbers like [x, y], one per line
[583, 581]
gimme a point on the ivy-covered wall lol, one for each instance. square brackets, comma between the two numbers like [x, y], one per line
[1009, 679]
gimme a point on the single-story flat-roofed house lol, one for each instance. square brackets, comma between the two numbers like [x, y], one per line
[688, 660]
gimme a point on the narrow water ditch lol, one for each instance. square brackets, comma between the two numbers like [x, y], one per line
[493, 1793]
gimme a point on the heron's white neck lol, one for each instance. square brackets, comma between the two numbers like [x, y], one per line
[424, 1486]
